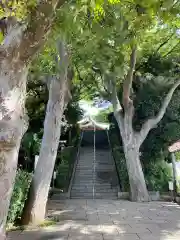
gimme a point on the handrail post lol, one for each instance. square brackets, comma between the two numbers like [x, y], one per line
[94, 161]
[75, 165]
[119, 180]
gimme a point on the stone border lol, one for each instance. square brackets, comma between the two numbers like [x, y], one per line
[155, 196]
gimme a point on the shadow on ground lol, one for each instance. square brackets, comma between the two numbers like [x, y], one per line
[108, 220]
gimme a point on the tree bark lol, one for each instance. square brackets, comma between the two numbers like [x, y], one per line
[138, 187]
[131, 145]
[13, 124]
[132, 140]
[35, 207]
[21, 43]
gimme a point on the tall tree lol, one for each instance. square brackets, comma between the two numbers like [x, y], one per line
[132, 140]
[116, 29]
[59, 96]
[21, 41]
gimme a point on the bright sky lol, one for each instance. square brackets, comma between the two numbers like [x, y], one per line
[93, 108]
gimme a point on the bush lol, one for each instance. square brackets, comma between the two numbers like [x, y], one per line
[65, 168]
[157, 172]
[119, 159]
[122, 168]
[20, 192]
[157, 175]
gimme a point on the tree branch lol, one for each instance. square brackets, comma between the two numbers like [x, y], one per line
[98, 70]
[129, 78]
[170, 51]
[39, 24]
[63, 58]
[152, 122]
[68, 95]
[115, 101]
[117, 109]
[4, 6]
[165, 42]
[78, 72]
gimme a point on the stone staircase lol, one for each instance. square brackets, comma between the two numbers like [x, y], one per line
[95, 177]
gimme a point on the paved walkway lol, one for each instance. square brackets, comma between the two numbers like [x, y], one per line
[109, 220]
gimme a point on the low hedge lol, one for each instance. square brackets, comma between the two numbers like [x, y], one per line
[121, 168]
[65, 168]
[19, 195]
[157, 175]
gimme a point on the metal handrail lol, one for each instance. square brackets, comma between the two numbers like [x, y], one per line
[75, 165]
[94, 163]
[112, 153]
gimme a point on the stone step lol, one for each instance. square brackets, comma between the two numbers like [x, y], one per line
[91, 179]
[92, 167]
[95, 193]
[81, 189]
[78, 186]
[81, 175]
[86, 181]
[97, 196]
[97, 185]
[95, 190]
[101, 162]
[91, 183]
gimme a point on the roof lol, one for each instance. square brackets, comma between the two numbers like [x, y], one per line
[174, 147]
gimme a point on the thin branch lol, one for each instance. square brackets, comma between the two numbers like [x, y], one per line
[39, 24]
[4, 6]
[129, 78]
[68, 95]
[78, 72]
[172, 49]
[116, 104]
[63, 58]
[103, 82]
[164, 43]
[152, 122]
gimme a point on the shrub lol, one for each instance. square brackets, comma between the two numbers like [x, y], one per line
[21, 187]
[157, 175]
[65, 168]
[119, 159]
[121, 168]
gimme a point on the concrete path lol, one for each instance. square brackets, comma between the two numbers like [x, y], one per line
[108, 220]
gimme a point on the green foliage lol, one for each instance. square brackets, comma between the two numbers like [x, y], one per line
[119, 159]
[149, 92]
[19, 196]
[31, 144]
[156, 171]
[122, 168]
[65, 167]
[73, 113]
[102, 116]
[157, 175]
[177, 154]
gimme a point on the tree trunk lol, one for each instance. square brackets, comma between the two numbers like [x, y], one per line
[35, 208]
[132, 140]
[13, 124]
[21, 43]
[131, 145]
[138, 187]
[175, 175]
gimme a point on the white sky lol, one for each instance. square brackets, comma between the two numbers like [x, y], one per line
[89, 109]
